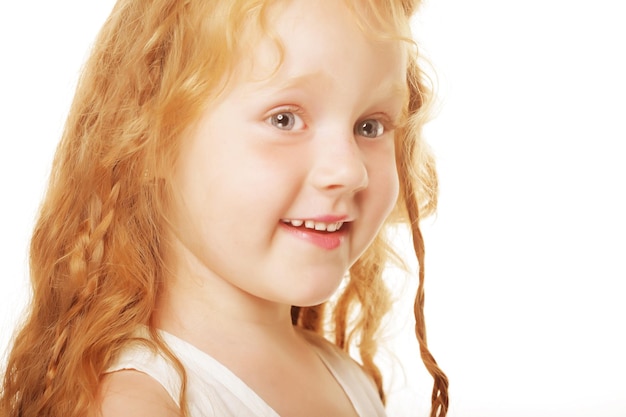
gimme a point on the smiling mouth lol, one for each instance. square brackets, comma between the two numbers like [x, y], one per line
[314, 225]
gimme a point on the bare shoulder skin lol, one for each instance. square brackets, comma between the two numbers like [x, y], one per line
[131, 393]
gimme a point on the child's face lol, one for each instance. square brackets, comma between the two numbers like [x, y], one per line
[311, 142]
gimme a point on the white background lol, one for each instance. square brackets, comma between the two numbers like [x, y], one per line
[526, 257]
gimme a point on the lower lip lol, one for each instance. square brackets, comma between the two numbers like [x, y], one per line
[328, 241]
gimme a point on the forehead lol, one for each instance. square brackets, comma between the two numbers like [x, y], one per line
[326, 40]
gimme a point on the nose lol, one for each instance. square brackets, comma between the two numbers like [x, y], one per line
[339, 164]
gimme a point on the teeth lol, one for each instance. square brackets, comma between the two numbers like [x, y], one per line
[311, 224]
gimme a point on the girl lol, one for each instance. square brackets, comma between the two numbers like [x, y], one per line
[224, 166]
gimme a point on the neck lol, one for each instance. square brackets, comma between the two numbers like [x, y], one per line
[206, 311]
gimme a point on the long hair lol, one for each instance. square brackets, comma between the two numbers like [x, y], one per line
[96, 262]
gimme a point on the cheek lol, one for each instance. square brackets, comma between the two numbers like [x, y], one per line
[384, 184]
[389, 195]
[261, 185]
[275, 173]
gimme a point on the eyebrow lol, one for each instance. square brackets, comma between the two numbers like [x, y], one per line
[401, 90]
[384, 92]
[308, 79]
[298, 81]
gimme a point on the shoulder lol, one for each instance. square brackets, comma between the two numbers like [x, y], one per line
[129, 393]
[326, 348]
[338, 360]
[332, 354]
[357, 384]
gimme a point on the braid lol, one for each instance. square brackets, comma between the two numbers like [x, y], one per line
[439, 398]
[85, 275]
[418, 194]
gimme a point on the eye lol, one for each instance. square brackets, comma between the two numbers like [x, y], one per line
[370, 128]
[286, 120]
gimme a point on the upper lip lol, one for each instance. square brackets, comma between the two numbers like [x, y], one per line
[326, 218]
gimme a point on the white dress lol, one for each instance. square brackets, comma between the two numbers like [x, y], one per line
[214, 391]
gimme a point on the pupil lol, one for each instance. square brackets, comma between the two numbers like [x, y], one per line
[282, 120]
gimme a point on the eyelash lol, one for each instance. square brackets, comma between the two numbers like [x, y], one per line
[384, 125]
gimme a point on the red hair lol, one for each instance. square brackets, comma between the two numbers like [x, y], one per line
[95, 256]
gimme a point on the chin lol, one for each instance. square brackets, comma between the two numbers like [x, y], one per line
[314, 296]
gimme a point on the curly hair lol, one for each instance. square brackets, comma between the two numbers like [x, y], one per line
[96, 262]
